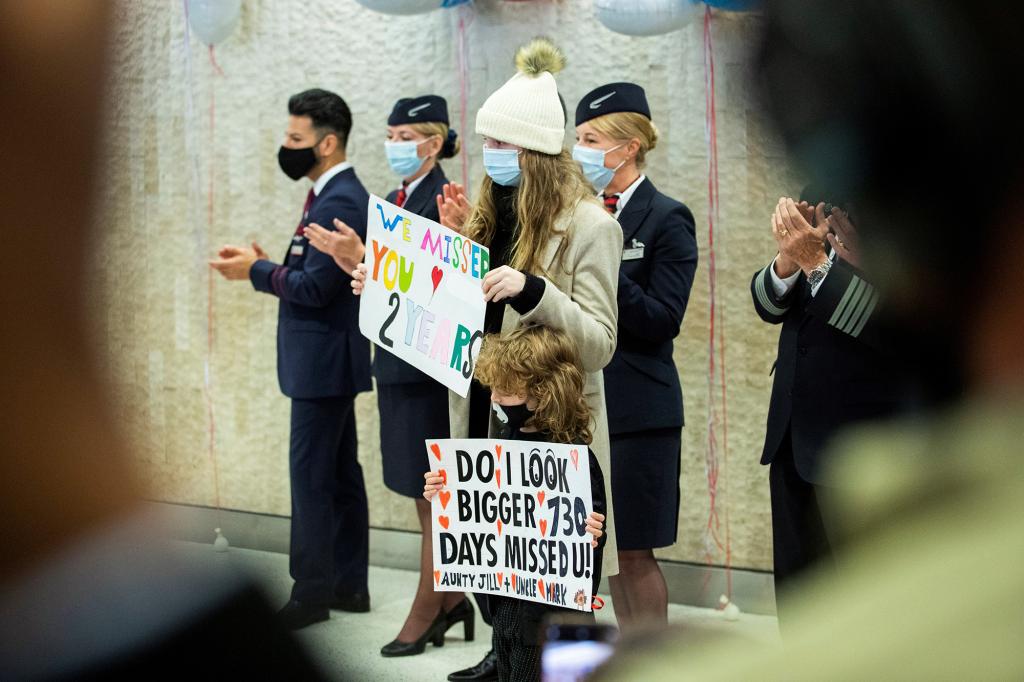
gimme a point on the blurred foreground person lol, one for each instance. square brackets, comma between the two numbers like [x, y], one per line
[85, 591]
[928, 580]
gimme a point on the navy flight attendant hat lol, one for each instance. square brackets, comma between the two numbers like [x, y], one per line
[612, 98]
[423, 109]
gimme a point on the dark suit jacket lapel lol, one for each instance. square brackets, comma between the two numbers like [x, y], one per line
[426, 191]
[330, 183]
[327, 188]
[636, 210]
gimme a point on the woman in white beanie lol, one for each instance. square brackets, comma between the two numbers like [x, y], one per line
[554, 251]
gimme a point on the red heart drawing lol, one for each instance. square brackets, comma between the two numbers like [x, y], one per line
[497, 449]
[443, 520]
[437, 451]
[513, 582]
[444, 476]
[435, 275]
[574, 454]
[444, 495]
[501, 577]
[543, 527]
[497, 475]
[499, 526]
[437, 577]
[540, 497]
[540, 586]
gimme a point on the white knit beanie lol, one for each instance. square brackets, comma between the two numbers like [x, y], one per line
[526, 111]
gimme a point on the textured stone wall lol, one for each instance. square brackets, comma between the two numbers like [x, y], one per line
[190, 164]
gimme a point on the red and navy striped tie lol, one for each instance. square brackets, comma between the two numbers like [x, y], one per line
[611, 202]
[305, 213]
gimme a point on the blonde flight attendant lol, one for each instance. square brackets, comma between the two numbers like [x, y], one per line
[418, 138]
[614, 133]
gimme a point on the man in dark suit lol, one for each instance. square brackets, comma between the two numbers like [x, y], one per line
[323, 362]
[832, 370]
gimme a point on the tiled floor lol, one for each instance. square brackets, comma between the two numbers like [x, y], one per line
[348, 644]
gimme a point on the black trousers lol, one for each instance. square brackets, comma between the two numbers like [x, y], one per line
[798, 532]
[330, 535]
[517, 661]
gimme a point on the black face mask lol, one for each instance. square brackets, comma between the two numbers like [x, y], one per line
[296, 162]
[512, 417]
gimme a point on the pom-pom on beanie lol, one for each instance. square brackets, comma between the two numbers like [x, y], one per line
[526, 110]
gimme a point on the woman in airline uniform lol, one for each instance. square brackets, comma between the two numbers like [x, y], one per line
[614, 134]
[418, 137]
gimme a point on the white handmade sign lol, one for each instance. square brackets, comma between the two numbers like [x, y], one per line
[511, 520]
[422, 300]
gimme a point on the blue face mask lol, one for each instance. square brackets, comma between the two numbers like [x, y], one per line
[592, 162]
[503, 166]
[403, 157]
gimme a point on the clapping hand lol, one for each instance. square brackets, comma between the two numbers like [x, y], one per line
[342, 244]
[235, 262]
[801, 243]
[452, 206]
[784, 267]
[843, 238]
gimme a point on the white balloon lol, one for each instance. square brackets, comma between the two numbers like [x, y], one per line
[645, 17]
[213, 20]
[401, 6]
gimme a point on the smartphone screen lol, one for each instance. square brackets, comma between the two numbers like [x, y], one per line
[574, 650]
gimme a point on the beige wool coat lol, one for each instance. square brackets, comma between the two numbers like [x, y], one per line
[580, 299]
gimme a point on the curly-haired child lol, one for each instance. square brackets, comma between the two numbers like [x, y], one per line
[536, 379]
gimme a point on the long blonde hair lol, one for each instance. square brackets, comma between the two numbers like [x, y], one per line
[551, 184]
[543, 364]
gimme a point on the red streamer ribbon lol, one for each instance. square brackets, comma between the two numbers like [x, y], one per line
[463, 68]
[717, 408]
[210, 312]
[211, 317]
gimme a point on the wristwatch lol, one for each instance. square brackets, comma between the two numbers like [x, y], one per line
[818, 273]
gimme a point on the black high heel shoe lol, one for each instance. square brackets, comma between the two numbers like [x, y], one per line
[434, 635]
[465, 613]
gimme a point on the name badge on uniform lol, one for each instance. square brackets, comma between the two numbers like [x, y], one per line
[636, 252]
[296, 250]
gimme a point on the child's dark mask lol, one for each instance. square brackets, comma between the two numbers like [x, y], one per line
[512, 417]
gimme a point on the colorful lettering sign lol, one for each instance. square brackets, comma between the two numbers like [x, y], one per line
[423, 300]
[511, 520]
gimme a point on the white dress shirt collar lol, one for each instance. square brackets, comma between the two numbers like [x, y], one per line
[411, 187]
[626, 194]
